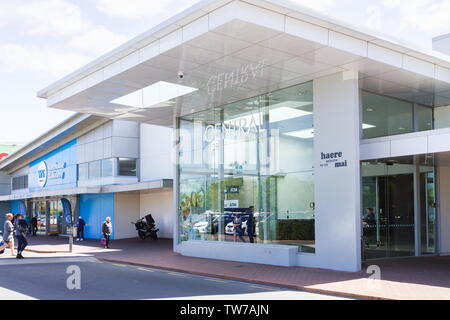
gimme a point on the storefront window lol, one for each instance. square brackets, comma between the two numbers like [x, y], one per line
[83, 171]
[107, 168]
[94, 170]
[424, 118]
[19, 183]
[246, 171]
[127, 167]
[385, 116]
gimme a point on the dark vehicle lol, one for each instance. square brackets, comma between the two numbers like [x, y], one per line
[146, 228]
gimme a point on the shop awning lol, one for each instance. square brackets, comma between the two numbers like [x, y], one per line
[141, 186]
[228, 51]
[50, 193]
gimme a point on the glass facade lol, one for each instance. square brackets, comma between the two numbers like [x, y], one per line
[246, 171]
[50, 215]
[107, 168]
[386, 116]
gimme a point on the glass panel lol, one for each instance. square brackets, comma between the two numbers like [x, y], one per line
[127, 167]
[384, 116]
[107, 167]
[83, 171]
[423, 117]
[400, 196]
[239, 165]
[428, 208]
[94, 170]
[20, 182]
[441, 117]
[388, 204]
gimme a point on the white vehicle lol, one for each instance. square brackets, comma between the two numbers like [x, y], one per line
[201, 226]
[229, 228]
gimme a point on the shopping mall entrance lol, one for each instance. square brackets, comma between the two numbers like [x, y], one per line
[399, 203]
[50, 215]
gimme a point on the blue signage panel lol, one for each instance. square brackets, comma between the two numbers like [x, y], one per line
[55, 170]
[67, 209]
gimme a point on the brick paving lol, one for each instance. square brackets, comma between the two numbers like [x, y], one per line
[425, 278]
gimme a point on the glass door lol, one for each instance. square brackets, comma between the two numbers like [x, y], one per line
[400, 213]
[40, 211]
[388, 204]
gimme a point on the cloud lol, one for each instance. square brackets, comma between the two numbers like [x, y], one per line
[421, 15]
[130, 9]
[319, 5]
[14, 57]
[97, 40]
[43, 17]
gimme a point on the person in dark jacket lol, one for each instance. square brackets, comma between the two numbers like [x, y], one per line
[251, 223]
[80, 229]
[34, 225]
[21, 228]
[107, 229]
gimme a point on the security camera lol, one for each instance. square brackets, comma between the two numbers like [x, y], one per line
[180, 75]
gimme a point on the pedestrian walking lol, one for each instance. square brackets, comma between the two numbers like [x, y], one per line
[237, 224]
[107, 229]
[80, 229]
[21, 228]
[8, 233]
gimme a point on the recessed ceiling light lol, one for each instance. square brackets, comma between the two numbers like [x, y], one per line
[302, 134]
[153, 95]
[369, 110]
[367, 126]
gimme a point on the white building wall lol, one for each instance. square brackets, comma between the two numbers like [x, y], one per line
[337, 190]
[126, 210]
[114, 139]
[5, 183]
[156, 153]
[160, 205]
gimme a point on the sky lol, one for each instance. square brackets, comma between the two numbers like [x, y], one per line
[41, 41]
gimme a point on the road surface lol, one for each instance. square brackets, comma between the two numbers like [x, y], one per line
[46, 277]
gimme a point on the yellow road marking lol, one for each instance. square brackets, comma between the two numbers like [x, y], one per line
[119, 265]
[215, 280]
[176, 274]
[265, 288]
[145, 269]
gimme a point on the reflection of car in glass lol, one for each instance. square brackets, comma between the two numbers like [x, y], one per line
[229, 228]
[201, 226]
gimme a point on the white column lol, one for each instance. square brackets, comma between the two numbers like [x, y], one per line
[337, 177]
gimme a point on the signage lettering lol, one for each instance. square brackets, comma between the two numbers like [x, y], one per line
[333, 158]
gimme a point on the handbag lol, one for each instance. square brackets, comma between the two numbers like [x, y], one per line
[103, 242]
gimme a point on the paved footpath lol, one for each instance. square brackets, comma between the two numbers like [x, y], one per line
[45, 277]
[407, 279]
